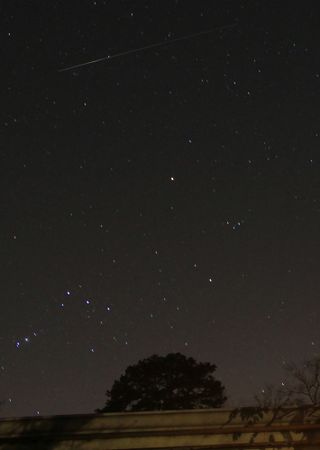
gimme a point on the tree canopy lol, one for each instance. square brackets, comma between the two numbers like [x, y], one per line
[166, 383]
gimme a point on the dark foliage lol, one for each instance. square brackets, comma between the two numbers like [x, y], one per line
[166, 383]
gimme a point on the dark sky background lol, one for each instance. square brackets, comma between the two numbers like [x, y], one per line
[167, 200]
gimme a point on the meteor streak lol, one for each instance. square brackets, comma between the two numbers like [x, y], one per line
[146, 47]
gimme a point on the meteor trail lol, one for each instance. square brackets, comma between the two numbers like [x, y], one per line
[146, 47]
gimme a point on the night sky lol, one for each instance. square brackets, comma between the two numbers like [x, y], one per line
[166, 200]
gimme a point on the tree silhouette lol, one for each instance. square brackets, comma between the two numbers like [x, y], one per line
[300, 387]
[166, 383]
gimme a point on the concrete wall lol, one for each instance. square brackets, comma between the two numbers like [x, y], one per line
[197, 429]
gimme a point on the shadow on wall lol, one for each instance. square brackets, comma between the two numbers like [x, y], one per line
[294, 416]
[44, 434]
[254, 428]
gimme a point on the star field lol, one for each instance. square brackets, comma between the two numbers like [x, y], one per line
[167, 200]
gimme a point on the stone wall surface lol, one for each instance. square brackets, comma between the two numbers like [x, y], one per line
[246, 428]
